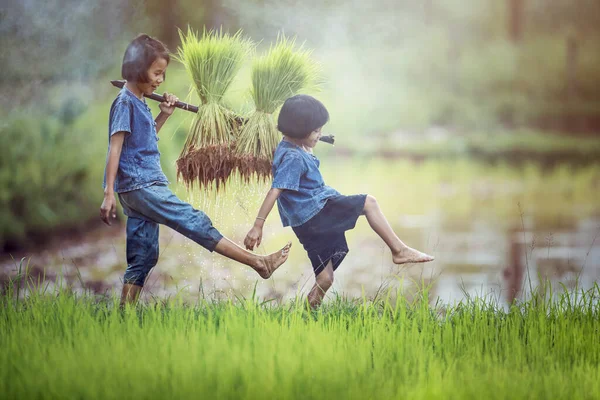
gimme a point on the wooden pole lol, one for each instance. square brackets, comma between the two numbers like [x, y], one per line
[515, 20]
[188, 107]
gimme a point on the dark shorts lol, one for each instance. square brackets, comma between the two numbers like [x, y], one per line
[323, 236]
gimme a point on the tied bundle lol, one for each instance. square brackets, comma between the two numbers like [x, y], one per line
[212, 61]
[283, 72]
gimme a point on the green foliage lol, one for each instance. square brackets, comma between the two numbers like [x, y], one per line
[212, 60]
[259, 136]
[57, 344]
[282, 72]
[518, 145]
[44, 177]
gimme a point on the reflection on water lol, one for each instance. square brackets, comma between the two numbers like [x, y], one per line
[502, 265]
[496, 232]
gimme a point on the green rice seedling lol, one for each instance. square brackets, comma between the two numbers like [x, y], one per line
[284, 71]
[212, 61]
[64, 345]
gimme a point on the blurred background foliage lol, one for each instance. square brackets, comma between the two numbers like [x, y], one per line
[512, 80]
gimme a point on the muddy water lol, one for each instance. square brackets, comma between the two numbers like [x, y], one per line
[496, 231]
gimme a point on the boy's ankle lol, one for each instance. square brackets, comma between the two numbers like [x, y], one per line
[130, 294]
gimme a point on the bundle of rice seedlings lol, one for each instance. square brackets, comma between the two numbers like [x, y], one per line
[283, 72]
[212, 61]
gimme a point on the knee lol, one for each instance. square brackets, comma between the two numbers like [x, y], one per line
[325, 280]
[200, 229]
[136, 275]
[371, 202]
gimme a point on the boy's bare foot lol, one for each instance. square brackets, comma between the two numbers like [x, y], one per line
[409, 255]
[268, 264]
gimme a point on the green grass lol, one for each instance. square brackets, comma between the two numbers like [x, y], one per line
[534, 145]
[59, 345]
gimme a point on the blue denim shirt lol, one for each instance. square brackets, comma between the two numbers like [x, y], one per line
[139, 165]
[305, 193]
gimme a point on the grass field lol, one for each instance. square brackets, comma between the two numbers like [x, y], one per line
[58, 345]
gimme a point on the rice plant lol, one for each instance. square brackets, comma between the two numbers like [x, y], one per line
[62, 345]
[212, 62]
[284, 71]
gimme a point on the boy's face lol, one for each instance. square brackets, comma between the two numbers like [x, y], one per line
[312, 139]
[156, 76]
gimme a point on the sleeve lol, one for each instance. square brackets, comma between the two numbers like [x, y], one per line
[120, 117]
[288, 172]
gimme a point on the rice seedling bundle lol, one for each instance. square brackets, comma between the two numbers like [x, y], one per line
[284, 71]
[212, 61]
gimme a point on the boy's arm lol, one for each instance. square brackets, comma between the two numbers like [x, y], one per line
[254, 237]
[109, 205]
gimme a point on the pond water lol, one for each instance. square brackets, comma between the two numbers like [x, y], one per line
[497, 231]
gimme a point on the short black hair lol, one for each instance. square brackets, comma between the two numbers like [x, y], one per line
[300, 115]
[139, 56]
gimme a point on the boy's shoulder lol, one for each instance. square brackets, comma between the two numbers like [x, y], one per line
[123, 98]
[285, 149]
[290, 155]
[122, 103]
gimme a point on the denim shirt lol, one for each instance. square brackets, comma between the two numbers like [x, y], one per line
[304, 192]
[139, 165]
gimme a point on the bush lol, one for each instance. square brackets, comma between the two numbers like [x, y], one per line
[44, 178]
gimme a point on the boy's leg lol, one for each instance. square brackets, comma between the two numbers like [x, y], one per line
[264, 265]
[142, 256]
[401, 253]
[159, 204]
[130, 294]
[323, 282]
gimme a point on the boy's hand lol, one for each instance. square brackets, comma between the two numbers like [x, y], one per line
[253, 238]
[168, 106]
[108, 208]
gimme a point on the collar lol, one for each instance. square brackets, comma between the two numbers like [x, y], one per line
[291, 145]
[132, 95]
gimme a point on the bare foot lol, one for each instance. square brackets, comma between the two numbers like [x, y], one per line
[268, 264]
[409, 255]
